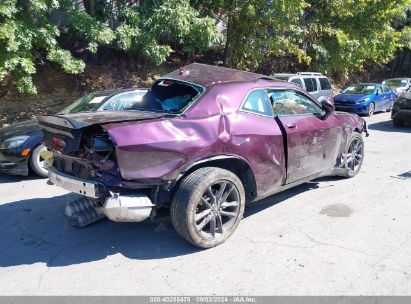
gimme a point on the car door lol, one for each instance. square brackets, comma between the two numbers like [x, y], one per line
[325, 87]
[379, 100]
[312, 142]
[390, 96]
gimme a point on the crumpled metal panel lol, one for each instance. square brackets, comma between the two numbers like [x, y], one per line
[162, 148]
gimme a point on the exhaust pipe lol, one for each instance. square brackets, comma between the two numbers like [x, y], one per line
[85, 211]
[127, 208]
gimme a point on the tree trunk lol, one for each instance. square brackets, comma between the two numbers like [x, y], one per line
[90, 7]
[228, 40]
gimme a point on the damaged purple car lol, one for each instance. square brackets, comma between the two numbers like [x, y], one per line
[204, 141]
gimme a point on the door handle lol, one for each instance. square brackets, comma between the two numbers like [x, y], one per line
[291, 125]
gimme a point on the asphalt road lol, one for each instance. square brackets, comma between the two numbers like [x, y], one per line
[329, 237]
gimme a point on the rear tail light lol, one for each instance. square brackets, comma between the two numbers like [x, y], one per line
[58, 144]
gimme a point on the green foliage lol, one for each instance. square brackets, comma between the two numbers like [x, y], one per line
[342, 35]
[405, 38]
[332, 36]
[25, 29]
[151, 29]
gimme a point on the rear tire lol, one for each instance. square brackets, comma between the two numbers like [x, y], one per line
[390, 107]
[208, 206]
[37, 163]
[397, 123]
[355, 155]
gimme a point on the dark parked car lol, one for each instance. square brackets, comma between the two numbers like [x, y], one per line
[401, 110]
[205, 141]
[365, 98]
[20, 144]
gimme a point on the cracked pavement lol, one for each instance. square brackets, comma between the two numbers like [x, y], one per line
[288, 244]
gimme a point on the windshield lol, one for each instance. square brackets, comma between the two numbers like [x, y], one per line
[396, 83]
[359, 89]
[167, 96]
[84, 104]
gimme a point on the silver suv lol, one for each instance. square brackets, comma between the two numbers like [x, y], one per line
[314, 83]
[398, 85]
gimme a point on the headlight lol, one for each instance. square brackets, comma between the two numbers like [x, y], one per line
[13, 142]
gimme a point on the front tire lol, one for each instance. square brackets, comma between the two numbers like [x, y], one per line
[354, 155]
[397, 123]
[371, 109]
[37, 163]
[208, 206]
[390, 107]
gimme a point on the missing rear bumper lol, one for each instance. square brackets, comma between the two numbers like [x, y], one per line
[74, 184]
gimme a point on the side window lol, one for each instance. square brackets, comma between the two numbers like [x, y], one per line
[379, 90]
[386, 89]
[324, 83]
[290, 102]
[297, 81]
[310, 84]
[257, 101]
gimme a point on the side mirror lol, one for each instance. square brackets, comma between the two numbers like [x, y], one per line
[327, 106]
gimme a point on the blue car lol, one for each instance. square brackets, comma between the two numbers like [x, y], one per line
[365, 98]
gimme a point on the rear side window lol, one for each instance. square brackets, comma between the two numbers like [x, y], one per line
[386, 89]
[167, 96]
[310, 84]
[257, 102]
[297, 81]
[324, 83]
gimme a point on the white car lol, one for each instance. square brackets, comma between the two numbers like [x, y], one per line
[398, 85]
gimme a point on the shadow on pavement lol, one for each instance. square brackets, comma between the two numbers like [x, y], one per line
[387, 126]
[4, 178]
[35, 231]
[278, 198]
[405, 174]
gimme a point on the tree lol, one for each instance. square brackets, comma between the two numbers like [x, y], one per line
[342, 35]
[333, 36]
[151, 29]
[26, 32]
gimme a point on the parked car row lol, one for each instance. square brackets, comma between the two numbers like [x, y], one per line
[361, 98]
[20, 144]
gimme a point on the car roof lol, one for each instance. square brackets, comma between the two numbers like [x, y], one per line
[398, 78]
[367, 84]
[300, 74]
[115, 91]
[209, 75]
